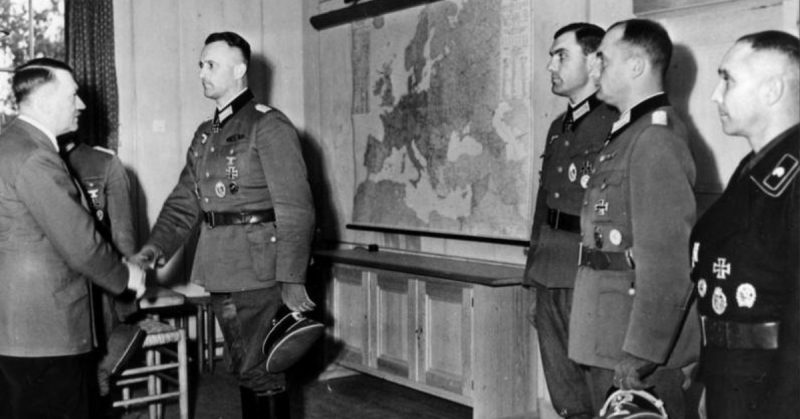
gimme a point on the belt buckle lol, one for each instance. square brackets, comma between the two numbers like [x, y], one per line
[210, 219]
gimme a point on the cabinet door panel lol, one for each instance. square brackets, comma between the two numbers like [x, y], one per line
[350, 314]
[393, 324]
[446, 316]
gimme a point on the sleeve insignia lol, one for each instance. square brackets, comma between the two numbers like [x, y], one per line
[659, 117]
[263, 108]
[780, 177]
[104, 150]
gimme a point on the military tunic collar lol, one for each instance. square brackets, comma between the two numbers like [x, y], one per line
[639, 110]
[775, 166]
[222, 115]
[577, 112]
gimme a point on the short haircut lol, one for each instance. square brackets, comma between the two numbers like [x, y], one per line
[33, 74]
[776, 41]
[587, 35]
[233, 40]
[651, 38]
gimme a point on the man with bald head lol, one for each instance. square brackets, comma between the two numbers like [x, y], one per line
[245, 184]
[745, 253]
[632, 290]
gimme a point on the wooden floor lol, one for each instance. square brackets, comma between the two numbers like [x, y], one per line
[357, 396]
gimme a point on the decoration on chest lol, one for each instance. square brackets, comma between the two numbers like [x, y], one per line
[231, 171]
[586, 173]
[220, 189]
[598, 238]
[615, 237]
[746, 295]
[780, 177]
[601, 207]
[702, 287]
[695, 253]
[721, 268]
[718, 301]
[94, 195]
[203, 138]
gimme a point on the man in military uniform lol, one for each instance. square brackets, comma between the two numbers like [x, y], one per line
[106, 188]
[246, 182]
[573, 141]
[745, 252]
[632, 291]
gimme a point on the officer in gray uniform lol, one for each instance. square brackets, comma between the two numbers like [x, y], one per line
[745, 251]
[632, 291]
[245, 181]
[573, 141]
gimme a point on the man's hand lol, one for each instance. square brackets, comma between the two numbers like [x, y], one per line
[630, 372]
[149, 257]
[136, 278]
[295, 297]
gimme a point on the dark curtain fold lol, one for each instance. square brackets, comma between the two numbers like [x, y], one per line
[89, 27]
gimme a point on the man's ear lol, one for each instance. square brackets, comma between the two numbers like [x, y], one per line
[772, 89]
[239, 70]
[637, 65]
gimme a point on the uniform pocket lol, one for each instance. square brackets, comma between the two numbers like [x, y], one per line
[263, 252]
[614, 305]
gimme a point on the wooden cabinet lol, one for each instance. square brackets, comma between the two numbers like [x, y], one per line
[450, 328]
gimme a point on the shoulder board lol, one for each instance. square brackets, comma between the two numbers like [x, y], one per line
[780, 176]
[659, 117]
[105, 150]
[263, 108]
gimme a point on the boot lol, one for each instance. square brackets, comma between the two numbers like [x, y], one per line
[266, 406]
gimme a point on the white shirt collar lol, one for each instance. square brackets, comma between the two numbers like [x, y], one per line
[41, 128]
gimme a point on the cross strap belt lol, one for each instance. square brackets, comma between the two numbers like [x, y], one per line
[214, 219]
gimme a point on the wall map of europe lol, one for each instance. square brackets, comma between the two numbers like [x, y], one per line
[442, 119]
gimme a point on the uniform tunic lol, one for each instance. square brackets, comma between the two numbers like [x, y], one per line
[639, 201]
[573, 141]
[252, 163]
[247, 159]
[745, 255]
[640, 207]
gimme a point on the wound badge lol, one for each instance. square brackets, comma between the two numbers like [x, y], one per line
[598, 238]
[745, 295]
[585, 181]
[100, 215]
[615, 237]
[573, 172]
[234, 187]
[702, 287]
[718, 301]
[219, 189]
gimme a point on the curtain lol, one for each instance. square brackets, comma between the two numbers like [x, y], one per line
[89, 35]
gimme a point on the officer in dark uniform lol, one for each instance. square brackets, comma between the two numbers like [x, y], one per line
[246, 182]
[573, 141]
[106, 187]
[745, 252]
[632, 290]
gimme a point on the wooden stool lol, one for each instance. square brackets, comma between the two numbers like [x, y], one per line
[169, 341]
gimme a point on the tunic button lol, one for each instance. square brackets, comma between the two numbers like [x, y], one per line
[212, 148]
[205, 199]
[196, 154]
[602, 158]
[273, 239]
[208, 175]
[603, 186]
[585, 203]
[586, 152]
[557, 195]
[566, 143]
[559, 169]
[230, 152]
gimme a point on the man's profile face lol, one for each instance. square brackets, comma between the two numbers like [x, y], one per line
[613, 56]
[736, 94]
[218, 64]
[64, 105]
[568, 66]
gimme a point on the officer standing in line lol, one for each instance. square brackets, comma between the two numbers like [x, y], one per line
[745, 252]
[246, 182]
[632, 291]
[573, 141]
[106, 188]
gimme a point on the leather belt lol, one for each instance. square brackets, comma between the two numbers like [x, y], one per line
[736, 335]
[562, 221]
[605, 261]
[214, 219]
